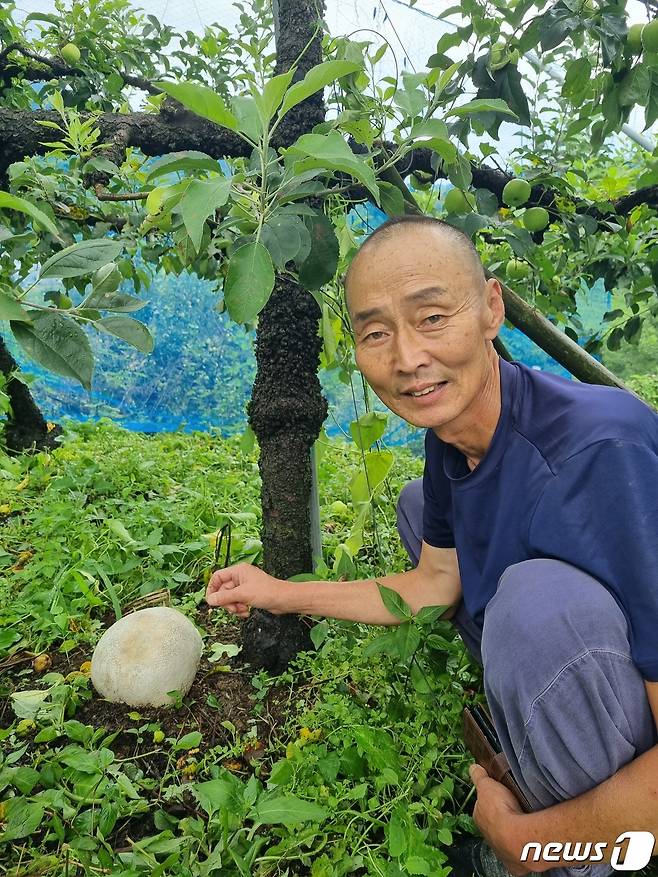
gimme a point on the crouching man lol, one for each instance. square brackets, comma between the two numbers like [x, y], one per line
[536, 521]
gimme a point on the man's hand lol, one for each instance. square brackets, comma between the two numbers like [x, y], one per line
[238, 588]
[495, 811]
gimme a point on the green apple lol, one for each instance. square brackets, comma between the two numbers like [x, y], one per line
[516, 192]
[517, 270]
[70, 53]
[536, 218]
[457, 201]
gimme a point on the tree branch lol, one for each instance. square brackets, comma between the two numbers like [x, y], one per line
[494, 180]
[172, 130]
[60, 68]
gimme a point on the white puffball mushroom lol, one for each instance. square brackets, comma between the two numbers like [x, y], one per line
[144, 655]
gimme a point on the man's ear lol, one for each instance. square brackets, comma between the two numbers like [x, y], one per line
[495, 307]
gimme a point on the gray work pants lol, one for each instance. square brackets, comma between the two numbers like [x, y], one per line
[568, 703]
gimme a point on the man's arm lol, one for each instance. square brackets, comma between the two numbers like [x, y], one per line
[626, 801]
[434, 582]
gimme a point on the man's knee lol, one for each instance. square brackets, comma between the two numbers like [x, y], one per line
[410, 501]
[410, 518]
[545, 608]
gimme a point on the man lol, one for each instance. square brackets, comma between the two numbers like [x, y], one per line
[536, 523]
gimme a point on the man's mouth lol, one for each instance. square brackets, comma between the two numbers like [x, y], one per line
[428, 390]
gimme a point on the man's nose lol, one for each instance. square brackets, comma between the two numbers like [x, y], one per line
[410, 352]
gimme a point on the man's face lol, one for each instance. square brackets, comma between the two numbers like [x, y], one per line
[422, 318]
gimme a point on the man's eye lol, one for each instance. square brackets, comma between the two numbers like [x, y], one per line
[374, 336]
[433, 319]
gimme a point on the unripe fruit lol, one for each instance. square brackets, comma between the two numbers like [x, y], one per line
[25, 727]
[338, 507]
[457, 201]
[634, 38]
[516, 192]
[65, 302]
[517, 270]
[536, 218]
[42, 663]
[650, 36]
[70, 53]
[158, 736]
[514, 57]
[498, 56]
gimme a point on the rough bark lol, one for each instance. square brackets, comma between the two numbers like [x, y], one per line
[287, 408]
[27, 428]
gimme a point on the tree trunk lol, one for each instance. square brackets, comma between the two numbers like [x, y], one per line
[287, 408]
[26, 427]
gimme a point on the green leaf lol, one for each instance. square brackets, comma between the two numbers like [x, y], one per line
[13, 202]
[273, 92]
[330, 151]
[482, 105]
[317, 78]
[190, 160]
[282, 772]
[246, 112]
[220, 794]
[319, 633]
[368, 429]
[577, 79]
[106, 279]
[118, 302]
[285, 236]
[418, 865]
[131, 331]
[407, 638]
[286, 810]
[249, 282]
[419, 679]
[201, 200]
[396, 833]
[11, 309]
[81, 258]
[634, 87]
[321, 263]
[23, 818]
[58, 344]
[364, 484]
[394, 603]
[189, 741]
[202, 100]
[430, 614]
[391, 200]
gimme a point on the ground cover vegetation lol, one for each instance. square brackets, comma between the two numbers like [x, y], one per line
[349, 761]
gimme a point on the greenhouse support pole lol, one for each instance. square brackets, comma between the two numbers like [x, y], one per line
[314, 512]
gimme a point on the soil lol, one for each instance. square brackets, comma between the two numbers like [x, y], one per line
[232, 689]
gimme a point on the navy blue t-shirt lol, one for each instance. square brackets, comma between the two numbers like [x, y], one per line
[572, 474]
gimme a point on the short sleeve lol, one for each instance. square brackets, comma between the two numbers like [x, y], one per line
[599, 512]
[437, 506]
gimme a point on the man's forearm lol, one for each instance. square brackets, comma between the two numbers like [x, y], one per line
[360, 600]
[627, 801]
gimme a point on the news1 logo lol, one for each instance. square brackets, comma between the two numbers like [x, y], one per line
[631, 852]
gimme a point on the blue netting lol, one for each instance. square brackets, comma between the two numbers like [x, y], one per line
[200, 374]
